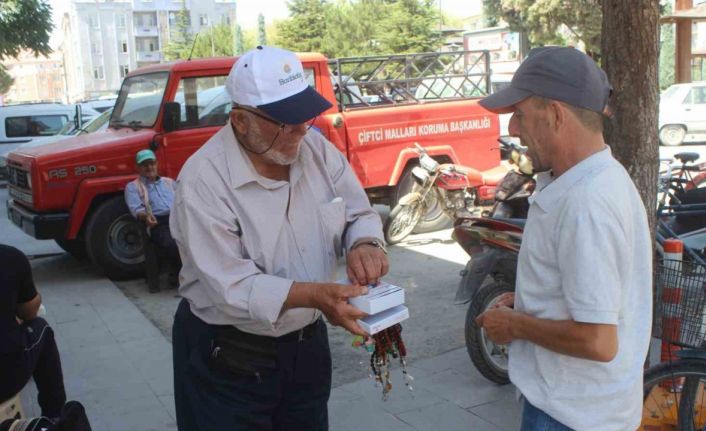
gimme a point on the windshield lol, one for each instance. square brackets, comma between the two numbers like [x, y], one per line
[97, 123]
[139, 100]
[67, 129]
[669, 92]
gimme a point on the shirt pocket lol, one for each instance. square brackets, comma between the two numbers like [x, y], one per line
[332, 218]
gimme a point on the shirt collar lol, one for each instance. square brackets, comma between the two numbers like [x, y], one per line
[148, 181]
[551, 190]
[241, 169]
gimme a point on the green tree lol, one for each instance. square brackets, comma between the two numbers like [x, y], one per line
[215, 42]
[552, 21]
[239, 42]
[6, 81]
[410, 26]
[24, 24]
[666, 51]
[352, 28]
[181, 40]
[305, 30]
[261, 31]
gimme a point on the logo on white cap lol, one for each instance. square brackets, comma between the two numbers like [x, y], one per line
[253, 81]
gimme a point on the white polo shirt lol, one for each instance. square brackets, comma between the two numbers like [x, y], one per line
[586, 256]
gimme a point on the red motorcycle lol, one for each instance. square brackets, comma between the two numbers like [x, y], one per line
[460, 191]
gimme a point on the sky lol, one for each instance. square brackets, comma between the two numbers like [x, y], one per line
[248, 10]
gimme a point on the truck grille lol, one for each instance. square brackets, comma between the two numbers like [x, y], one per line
[18, 177]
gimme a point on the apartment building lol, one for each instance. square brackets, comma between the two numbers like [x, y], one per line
[105, 39]
[36, 78]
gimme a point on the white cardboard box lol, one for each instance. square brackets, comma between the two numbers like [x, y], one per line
[383, 320]
[379, 298]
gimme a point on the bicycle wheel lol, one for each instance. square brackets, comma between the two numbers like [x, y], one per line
[675, 396]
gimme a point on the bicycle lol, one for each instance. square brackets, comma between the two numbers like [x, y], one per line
[675, 390]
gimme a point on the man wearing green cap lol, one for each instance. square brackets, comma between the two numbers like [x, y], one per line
[149, 198]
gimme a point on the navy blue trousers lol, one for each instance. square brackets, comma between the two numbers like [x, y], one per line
[39, 359]
[294, 397]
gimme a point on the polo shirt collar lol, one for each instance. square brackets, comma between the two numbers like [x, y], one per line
[551, 190]
[241, 170]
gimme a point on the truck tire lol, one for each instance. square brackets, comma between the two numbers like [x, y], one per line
[113, 240]
[489, 358]
[434, 219]
[74, 247]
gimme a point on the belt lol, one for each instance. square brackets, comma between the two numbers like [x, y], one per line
[300, 334]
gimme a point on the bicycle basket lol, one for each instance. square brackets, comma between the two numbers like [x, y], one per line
[680, 303]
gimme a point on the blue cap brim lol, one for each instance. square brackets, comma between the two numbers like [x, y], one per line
[297, 109]
[504, 101]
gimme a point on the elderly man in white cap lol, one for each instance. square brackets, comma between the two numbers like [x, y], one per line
[580, 327]
[262, 211]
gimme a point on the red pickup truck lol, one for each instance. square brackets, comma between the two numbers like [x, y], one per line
[72, 191]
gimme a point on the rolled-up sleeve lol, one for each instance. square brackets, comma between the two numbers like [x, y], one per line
[207, 232]
[362, 220]
[132, 199]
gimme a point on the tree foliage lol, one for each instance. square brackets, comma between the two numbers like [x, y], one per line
[667, 52]
[25, 24]
[261, 31]
[6, 80]
[217, 41]
[181, 40]
[344, 28]
[564, 22]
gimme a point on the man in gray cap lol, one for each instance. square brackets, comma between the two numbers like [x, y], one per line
[580, 326]
[262, 212]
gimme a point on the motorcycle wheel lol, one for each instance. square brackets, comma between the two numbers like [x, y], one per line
[402, 221]
[489, 358]
[433, 218]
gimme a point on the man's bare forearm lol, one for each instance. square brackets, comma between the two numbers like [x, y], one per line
[597, 342]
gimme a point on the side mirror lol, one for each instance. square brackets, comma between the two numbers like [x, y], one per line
[170, 120]
[78, 119]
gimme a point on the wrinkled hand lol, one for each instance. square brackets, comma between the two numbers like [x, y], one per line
[505, 300]
[497, 323]
[151, 220]
[366, 264]
[332, 300]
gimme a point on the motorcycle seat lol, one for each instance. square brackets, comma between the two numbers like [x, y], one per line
[686, 157]
[519, 222]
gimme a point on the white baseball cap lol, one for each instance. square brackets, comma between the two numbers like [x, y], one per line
[272, 80]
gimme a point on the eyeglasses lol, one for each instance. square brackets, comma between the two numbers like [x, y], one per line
[287, 128]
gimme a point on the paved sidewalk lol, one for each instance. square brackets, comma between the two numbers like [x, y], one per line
[119, 366]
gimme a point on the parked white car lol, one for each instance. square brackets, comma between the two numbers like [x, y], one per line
[22, 124]
[682, 114]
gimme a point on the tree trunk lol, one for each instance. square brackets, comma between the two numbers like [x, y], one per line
[630, 53]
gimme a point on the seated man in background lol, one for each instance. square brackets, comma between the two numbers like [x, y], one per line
[150, 198]
[27, 346]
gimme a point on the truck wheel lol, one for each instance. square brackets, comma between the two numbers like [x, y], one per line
[74, 247]
[434, 218]
[113, 240]
[489, 358]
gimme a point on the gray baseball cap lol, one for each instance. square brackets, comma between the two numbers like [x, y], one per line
[560, 73]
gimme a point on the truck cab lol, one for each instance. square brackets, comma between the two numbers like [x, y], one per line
[72, 191]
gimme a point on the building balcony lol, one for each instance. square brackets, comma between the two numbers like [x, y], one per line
[145, 31]
[149, 56]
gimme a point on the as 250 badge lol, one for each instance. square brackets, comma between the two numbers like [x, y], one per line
[60, 174]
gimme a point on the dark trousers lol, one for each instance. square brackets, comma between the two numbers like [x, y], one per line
[39, 359]
[162, 238]
[294, 397]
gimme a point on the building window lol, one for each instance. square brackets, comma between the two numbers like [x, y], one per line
[152, 47]
[123, 46]
[98, 72]
[121, 21]
[225, 19]
[93, 20]
[172, 19]
[203, 19]
[124, 69]
[95, 47]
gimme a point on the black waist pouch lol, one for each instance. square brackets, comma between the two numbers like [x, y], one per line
[241, 353]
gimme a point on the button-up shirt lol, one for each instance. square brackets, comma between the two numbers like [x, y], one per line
[586, 256]
[160, 193]
[244, 239]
